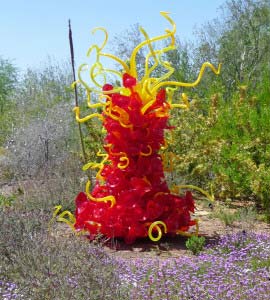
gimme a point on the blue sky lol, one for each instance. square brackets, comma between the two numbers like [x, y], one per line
[32, 30]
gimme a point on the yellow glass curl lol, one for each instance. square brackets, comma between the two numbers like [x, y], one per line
[188, 84]
[123, 117]
[95, 105]
[121, 165]
[167, 159]
[185, 105]
[193, 187]
[70, 220]
[93, 223]
[169, 33]
[94, 165]
[106, 199]
[155, 225]
[160, 194]
[150, 151]
[76, 109]
[109, 146]
[147, 87]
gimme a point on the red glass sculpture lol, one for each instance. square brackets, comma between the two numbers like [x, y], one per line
[130, 198]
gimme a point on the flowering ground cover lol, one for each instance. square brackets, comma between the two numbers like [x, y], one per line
[8, 290]
[237, 267]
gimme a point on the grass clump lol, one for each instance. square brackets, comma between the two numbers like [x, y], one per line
[6, 200]
[227, 217]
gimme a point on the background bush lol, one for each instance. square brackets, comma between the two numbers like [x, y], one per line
[224, 146]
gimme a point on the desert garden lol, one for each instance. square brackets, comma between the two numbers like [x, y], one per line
[160, 190]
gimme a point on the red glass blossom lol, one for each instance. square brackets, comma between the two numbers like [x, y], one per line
[134, 175]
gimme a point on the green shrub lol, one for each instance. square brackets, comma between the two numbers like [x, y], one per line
[195, 244]
[224, 145]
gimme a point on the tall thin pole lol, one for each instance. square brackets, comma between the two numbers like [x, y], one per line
[75, 88]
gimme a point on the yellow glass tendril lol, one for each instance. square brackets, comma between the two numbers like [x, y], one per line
[189, 234]
[106, 199]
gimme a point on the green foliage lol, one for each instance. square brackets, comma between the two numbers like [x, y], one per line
[259, 263]
[93, 139]
[6, 200]
[195, 244]
[8, 78]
